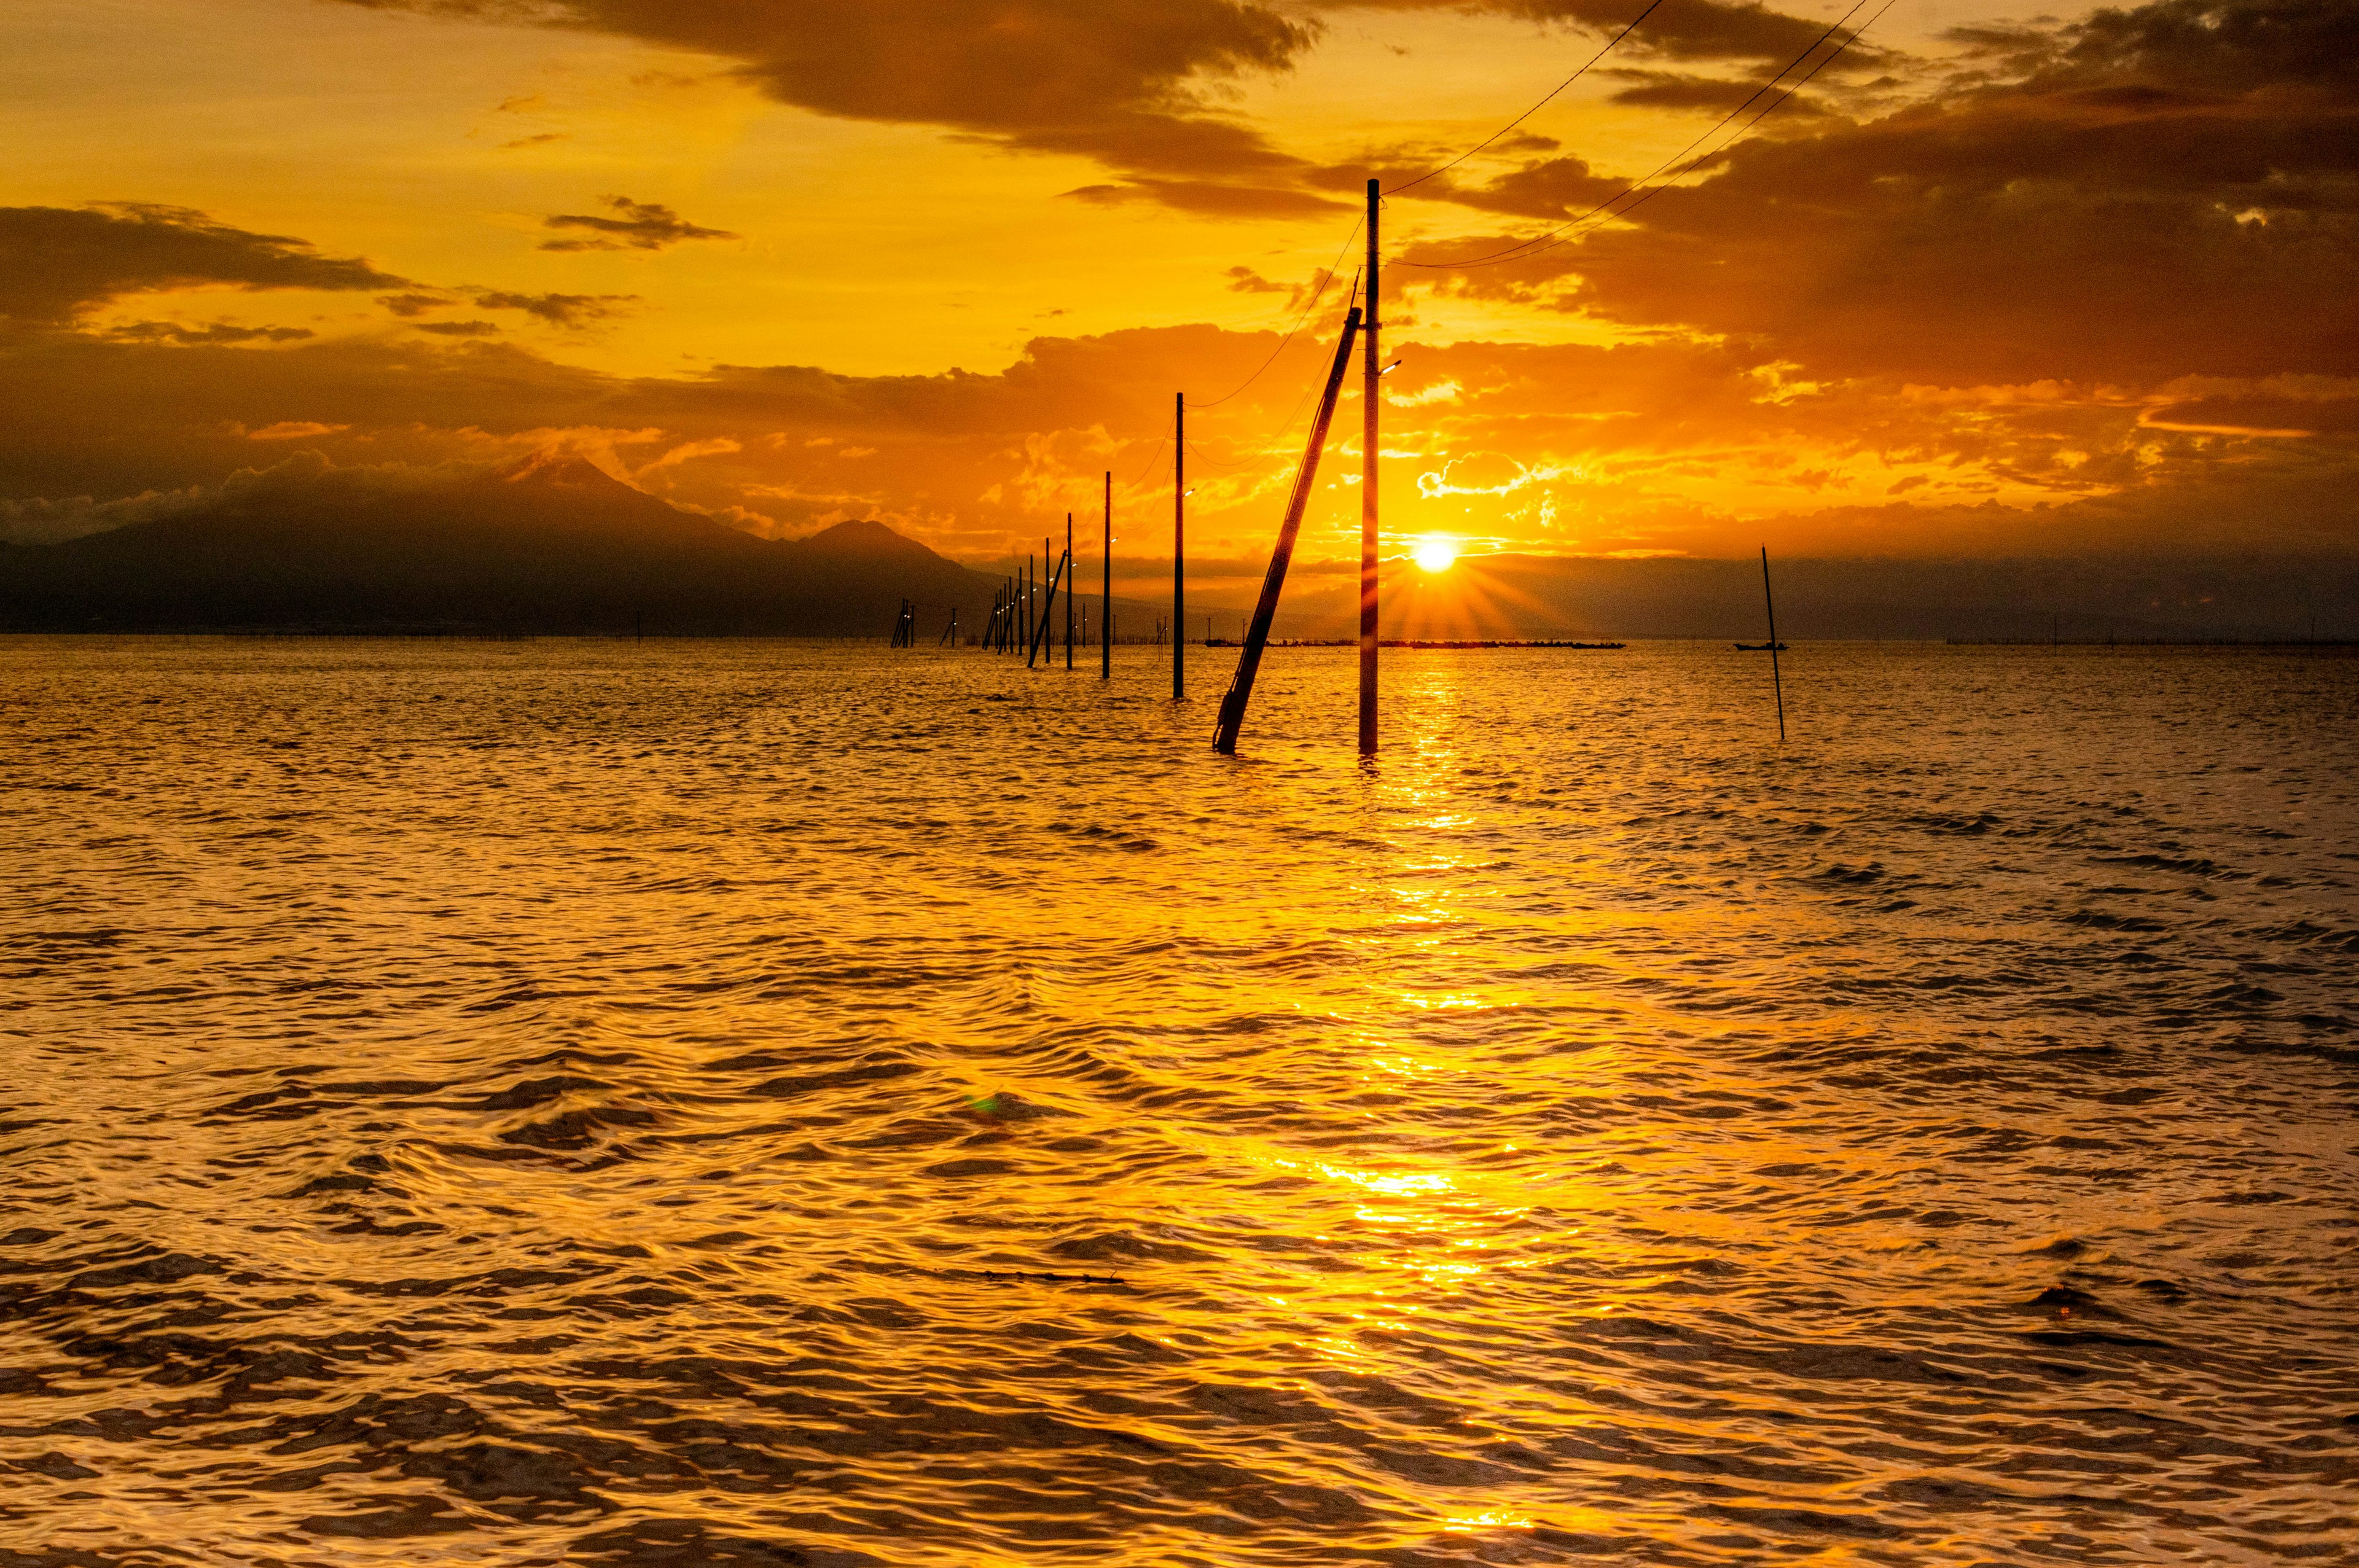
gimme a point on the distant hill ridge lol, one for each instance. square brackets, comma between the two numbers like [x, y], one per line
[550, 546]
[556, 546]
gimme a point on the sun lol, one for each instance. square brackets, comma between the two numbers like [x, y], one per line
[1434, 552]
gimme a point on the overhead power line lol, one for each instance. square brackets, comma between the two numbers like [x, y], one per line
[1320, 292]
[1559, 87]
[1326, 281]
[1134, 483]
[1568, 230]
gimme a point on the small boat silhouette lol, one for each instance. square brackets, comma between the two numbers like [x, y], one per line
[1761, 647]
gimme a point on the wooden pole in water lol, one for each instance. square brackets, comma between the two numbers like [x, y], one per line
[1368, 498]
[1179, 543]
[1105, 588]
[1776, 684]
[1232, 706]
[1069, 595]
[1044, 643]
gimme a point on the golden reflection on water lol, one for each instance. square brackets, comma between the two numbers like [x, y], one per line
[726, 1102]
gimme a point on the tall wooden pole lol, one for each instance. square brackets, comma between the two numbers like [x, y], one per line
[1368, 495]
[1179, 543]
[1777, 683]
[1256, 637]
[1105, 589]
[1069, 593]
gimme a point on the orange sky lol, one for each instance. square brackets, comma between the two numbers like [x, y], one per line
[1983, 286]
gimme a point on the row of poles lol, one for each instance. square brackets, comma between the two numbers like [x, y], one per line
[1023, 613]
[1015, 621]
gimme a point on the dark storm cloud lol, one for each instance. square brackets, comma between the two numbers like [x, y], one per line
[58, 261]
[635, 226]
[1680, 29]
[1550, 189]
[217, 332]
[561, 309]
[1123, 82]
[411, 305]
[1212, 198]
[2205, 48]
[2159, 193]
[1674, 89]
[1114, 80]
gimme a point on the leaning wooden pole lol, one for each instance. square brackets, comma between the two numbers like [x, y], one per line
[1777, 683]
[1043, 643]
[1179, 543]
[1232, 706]
[1368, 495]
[1105, 588]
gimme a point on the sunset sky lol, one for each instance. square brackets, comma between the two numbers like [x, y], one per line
[1988, 285]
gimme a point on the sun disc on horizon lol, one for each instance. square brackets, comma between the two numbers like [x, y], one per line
[1435, 553]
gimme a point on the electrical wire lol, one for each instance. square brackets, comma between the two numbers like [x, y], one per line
[1523, 248]
[1134, 484]
[1535, 109]
[1766, 110]
[1325, 283]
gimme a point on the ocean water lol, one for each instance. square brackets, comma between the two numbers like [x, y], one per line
[752, 1103]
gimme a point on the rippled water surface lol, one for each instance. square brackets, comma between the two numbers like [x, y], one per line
[759, 1104]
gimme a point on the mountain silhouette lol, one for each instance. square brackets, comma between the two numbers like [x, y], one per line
[549, 547]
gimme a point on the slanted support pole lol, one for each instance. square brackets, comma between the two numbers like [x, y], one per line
[1041, 642]
[1232, 706]
[1776, 682]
